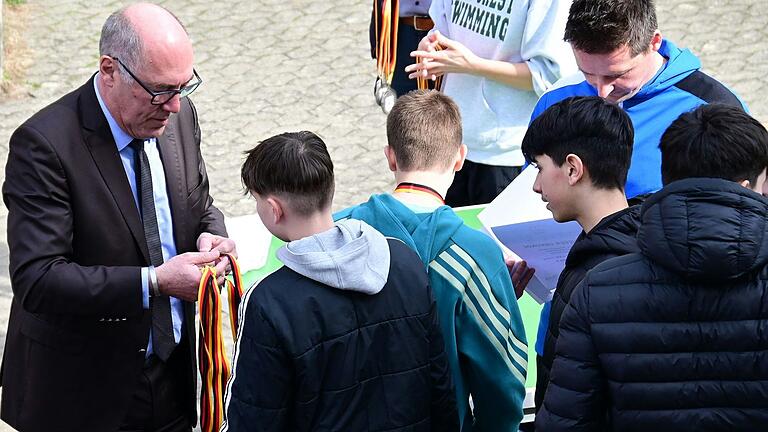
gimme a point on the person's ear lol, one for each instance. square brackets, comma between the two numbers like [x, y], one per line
[276, 207]
[389, 152]
[746, 183]
[575, 168]
[656, 41]
[461, 156]
[108, 70]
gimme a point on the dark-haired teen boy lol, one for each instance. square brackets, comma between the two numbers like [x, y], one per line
[582, 147]
[345, 336]
[479, 316]
[673, 338]
[624, 59]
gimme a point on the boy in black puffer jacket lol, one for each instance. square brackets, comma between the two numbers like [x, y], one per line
[674, 338]
[345, 336]
[582, 147]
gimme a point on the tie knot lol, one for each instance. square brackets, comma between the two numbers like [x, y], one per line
[137, 144]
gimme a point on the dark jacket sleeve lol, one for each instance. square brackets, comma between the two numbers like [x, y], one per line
[568, 281]
[40, 237]
[576, 396]
[259, 397]
[445, 416]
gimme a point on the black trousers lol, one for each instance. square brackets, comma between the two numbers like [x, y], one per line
[158, 403]
[479, 183]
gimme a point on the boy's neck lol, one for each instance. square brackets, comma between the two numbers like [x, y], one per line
[305, 226]
[439, 181]
[599, 203]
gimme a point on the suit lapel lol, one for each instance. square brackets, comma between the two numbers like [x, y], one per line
[170, 153]
[101, 144]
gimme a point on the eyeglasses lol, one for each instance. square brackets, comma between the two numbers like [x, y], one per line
[162, 97]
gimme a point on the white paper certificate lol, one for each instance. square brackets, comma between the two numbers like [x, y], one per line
[252, 240]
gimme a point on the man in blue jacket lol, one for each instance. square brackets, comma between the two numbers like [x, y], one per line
[624, 59]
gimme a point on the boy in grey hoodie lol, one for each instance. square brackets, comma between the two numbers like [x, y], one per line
[343, 337]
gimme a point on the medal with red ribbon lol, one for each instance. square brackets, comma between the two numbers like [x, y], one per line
[212, 355]
[423, 83]
[416, 188]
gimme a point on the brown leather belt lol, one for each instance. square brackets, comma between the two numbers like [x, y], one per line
[422, 23]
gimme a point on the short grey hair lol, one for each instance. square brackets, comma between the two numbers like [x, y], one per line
[120, 39]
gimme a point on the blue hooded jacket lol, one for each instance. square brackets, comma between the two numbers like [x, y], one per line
[677, 88]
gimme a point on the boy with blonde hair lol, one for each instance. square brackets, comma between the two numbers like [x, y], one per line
[478, 312]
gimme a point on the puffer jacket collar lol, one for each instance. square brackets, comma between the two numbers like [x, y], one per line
[614, 235]
[705, 229]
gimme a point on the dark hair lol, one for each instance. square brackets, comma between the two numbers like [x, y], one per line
[424, 130]
[597, 131]
[602, 26]
[293, 165]
[719, 141]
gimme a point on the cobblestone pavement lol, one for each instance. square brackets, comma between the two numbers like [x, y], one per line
[271, 66]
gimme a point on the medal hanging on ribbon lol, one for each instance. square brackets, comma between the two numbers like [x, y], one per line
[212, 356]
[387, 14]
[423, 83]
[419, 189]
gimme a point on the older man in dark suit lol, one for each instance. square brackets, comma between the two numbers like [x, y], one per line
[109, 221]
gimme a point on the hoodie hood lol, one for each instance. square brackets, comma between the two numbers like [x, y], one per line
[351, 256]
[616, 234]
[680, 64]
[705, 229]
[426, 233]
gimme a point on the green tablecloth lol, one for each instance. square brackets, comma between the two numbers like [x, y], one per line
[528, 307]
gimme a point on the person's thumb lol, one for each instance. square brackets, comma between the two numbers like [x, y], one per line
[444, 41]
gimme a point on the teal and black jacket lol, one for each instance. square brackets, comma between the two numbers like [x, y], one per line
[478, 312]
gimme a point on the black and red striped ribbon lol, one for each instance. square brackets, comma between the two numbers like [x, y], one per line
[423, 83]
[387, 14]
[415, 188]
[212, 356]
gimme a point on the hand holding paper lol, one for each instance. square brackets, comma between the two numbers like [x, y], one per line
[520, 273]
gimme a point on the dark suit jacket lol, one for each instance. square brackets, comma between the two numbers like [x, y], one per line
[78, 332]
